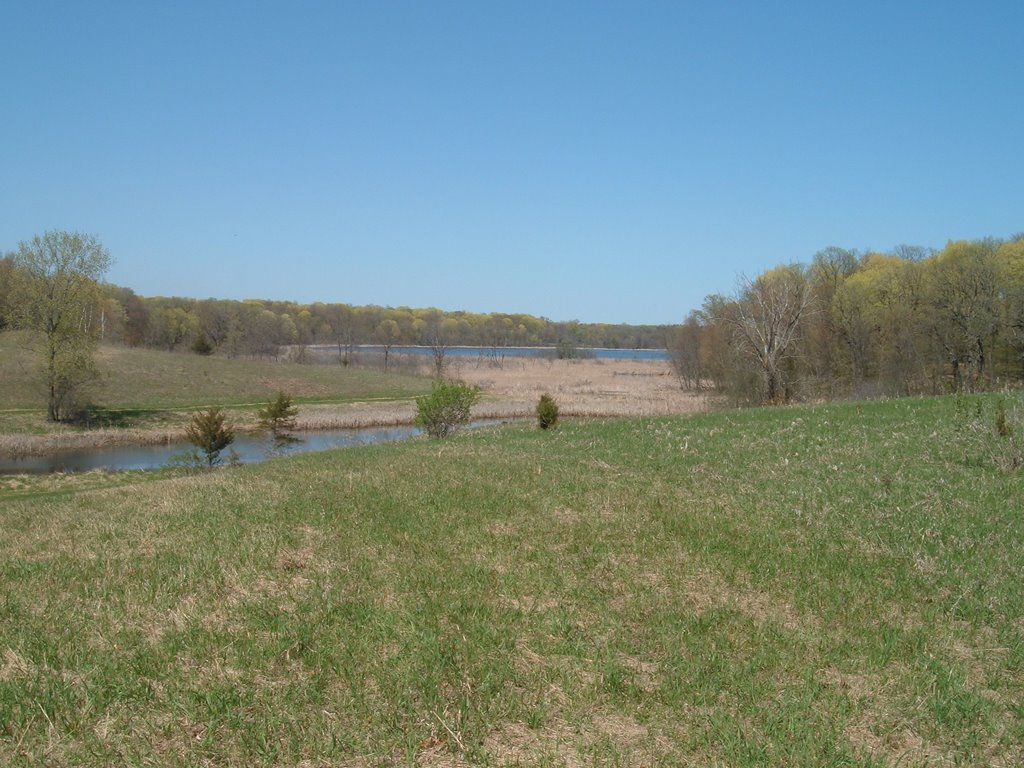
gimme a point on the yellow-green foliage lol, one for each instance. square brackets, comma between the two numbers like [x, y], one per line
[446, 409]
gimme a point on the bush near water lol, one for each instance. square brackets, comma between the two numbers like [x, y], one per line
[446, 409]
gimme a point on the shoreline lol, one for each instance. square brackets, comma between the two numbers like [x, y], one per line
[582, 388]
[21, 446]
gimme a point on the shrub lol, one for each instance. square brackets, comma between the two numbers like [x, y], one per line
[547, 412]
[208, 432]
[201, 346]
[446, 408]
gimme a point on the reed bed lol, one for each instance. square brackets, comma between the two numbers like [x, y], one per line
[36, 445]
[586, 388]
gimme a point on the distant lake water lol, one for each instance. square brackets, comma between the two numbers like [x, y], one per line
[599, 353]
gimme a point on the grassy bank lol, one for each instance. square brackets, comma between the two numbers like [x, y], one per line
[836, 585]
[150, 389]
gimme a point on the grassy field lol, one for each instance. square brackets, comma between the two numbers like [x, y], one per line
[145, 388]
[827, 586]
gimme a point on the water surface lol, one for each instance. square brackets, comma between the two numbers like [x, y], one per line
[249, 448]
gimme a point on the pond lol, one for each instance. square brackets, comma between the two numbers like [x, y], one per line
[249, 448]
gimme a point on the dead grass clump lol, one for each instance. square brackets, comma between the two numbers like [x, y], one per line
[14, 666]
[645, 673]
[38, 445]
[707, 590]
[560, 742]
[566, 515]
[290, 560]
[528, 604]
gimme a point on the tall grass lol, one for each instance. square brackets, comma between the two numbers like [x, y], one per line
[803, 586]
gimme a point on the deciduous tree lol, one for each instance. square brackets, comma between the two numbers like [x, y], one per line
[769, 313]
[685, 352]
[387, 335]
[963, 290]
[58, 291]
[8, 274]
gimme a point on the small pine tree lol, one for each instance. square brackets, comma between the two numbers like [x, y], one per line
[278, 415]
[547, 412]
[210, 434]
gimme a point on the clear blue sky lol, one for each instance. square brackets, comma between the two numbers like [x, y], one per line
[607, 162]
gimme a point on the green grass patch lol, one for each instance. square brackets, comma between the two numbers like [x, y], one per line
[834, 585]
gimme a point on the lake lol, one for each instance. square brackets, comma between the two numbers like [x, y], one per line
[463, 351]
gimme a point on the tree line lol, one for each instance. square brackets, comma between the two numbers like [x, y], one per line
[849, 324]
[54, 286]
[260, 328]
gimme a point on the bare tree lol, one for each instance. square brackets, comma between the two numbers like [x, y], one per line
[341, 320]
[387, 335]
[769, 314]
[913, 252]
[438, 340]
[684, 353]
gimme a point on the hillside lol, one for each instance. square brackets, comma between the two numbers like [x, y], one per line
[146, 378]
[834, 585]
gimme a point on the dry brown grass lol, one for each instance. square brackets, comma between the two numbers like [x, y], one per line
[66, 440]
[583, 387]
[596, 388]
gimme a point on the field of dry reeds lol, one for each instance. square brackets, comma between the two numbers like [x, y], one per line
[591, 387]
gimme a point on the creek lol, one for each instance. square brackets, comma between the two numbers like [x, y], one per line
[249, 448]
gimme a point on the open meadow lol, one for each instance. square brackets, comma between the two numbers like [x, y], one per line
[834, 585]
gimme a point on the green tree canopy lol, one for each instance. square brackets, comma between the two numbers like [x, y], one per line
[58, 294]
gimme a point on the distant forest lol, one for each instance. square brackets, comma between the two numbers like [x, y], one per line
[849, 324]
[261, 328]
